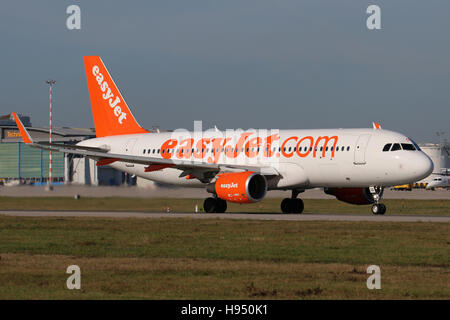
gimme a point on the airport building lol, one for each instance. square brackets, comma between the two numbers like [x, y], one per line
[439, 153]
[20, 163]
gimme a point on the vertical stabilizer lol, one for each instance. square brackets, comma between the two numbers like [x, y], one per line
[110, 111]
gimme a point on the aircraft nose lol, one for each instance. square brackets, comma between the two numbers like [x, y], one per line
[423, 166]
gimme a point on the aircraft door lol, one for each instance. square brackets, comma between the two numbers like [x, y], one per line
[360, 149]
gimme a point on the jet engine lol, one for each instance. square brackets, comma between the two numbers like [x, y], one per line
[240, 187]
[351, 195]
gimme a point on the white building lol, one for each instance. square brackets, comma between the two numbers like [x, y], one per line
[440, 155]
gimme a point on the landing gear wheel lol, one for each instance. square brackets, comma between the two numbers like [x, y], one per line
[212, 205]
[383, 208]
[286, 206]
[221, 206]
[209, 205]
[298, 205]
[289, 205]
[378, 208]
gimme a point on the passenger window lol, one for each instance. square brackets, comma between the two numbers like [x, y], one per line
[143, 151]
[396, 146]
[348, 148]
[408, 146]
[387, 147]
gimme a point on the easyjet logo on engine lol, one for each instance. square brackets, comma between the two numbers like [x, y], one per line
[108, 95]
[229, 185]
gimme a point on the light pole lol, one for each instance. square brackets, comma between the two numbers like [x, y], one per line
[49, 184]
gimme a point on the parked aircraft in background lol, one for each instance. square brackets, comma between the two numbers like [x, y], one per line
[439, 180]
[354, 165]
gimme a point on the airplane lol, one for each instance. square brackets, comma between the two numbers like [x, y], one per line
[439, 180]
[241, 166]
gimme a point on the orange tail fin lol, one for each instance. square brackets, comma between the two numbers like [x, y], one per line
[110, 111]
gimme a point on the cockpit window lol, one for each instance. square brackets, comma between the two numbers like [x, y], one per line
[387, 147]
[408, 146]
[415, 144]
[396, 146]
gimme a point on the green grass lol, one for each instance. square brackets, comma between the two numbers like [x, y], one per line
[221, 259]
[269, 205]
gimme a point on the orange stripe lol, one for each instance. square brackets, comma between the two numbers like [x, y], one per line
[106, 161]
[156, 167]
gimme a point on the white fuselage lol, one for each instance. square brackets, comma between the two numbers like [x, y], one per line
[304, 158]
[438, 181]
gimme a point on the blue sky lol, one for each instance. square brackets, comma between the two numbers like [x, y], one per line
[235, 64]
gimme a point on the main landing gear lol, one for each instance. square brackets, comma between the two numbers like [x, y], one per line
[377, 207]
[214, 205]
[293, 204]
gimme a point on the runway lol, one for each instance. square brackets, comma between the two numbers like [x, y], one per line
[248, 216]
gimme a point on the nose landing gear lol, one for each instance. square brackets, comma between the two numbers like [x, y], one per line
[377, 207]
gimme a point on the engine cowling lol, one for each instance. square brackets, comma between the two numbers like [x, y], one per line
[351, 195]
[240, 187]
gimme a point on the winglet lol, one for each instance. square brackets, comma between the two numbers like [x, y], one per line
[376, 125]
[23, 132]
